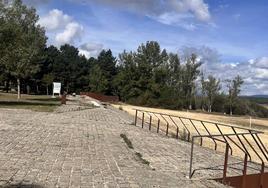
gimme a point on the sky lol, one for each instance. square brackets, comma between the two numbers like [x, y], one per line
[230, 36]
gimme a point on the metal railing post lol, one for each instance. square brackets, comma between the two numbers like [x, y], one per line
[150, 123]
[225, 163]
[158, 125]
[167, 129]
[142, 121]
[136, 116]
[191, 158]
[245, 171]
[262, 174]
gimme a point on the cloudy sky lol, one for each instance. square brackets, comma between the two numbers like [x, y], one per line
[229, 35]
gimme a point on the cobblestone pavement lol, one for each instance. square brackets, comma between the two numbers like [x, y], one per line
[84, 149]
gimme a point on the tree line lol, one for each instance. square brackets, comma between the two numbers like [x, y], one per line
[148, 76]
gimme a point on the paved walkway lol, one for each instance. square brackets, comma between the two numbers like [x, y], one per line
[83, 148]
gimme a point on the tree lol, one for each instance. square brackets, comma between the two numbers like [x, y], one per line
[212, 88]
[203, 91]
[48, 80]
[21, 40]
[125, 82]
[97, 82]
[190, 74]
[107, 63]
[234, 89]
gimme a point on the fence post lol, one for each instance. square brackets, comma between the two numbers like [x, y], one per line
[150, 123]
[245, 171]
[225, 164]
[142, 121]
[262, 173]
[136, 116]
[167, 129]
[191, 158]
[158, 125]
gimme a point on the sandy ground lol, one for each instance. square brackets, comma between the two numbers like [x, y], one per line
[240, 121]
[259, 123]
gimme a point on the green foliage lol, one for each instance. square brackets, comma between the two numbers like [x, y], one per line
[233, 91]
[107, 65]
[21, 40]
[210, 90]
[127, 141]
[147, 76]
[98, 82]
[152, 77]
[247, 107]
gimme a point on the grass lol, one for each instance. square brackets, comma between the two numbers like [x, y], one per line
[137, 154]
[127, 141]
[40, 103]
[144, 161]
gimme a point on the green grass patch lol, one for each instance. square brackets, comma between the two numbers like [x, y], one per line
[38, 103]
[137, 154]
[127, 141]
[39, 107]
[144, 161]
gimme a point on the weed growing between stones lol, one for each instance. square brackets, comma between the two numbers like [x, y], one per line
[127, 141]
[138, 155]
[144, 161]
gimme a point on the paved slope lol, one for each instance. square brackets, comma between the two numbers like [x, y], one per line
[83, 148]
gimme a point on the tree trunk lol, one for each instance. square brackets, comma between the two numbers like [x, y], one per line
[37, 89]
[18, 82]
[47, 89]
[28, 89]
[7, 86]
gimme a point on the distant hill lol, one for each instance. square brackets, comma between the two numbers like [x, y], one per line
[259, 96]
[260, 99]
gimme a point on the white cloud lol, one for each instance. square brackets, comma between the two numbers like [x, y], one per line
[254, 72]
[261, 62]
[170, 18]
[54, 20]
[184, 13]
[71, 32]
[90, 49]
[61, 27]
[196, 7]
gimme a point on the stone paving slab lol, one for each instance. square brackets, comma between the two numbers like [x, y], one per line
[84, 149]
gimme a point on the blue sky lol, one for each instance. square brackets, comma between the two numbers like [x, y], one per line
[233, 30]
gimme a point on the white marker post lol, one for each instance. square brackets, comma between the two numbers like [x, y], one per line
[56, 88]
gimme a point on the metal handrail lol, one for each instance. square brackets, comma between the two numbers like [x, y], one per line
[242, 142]
[205, 121]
